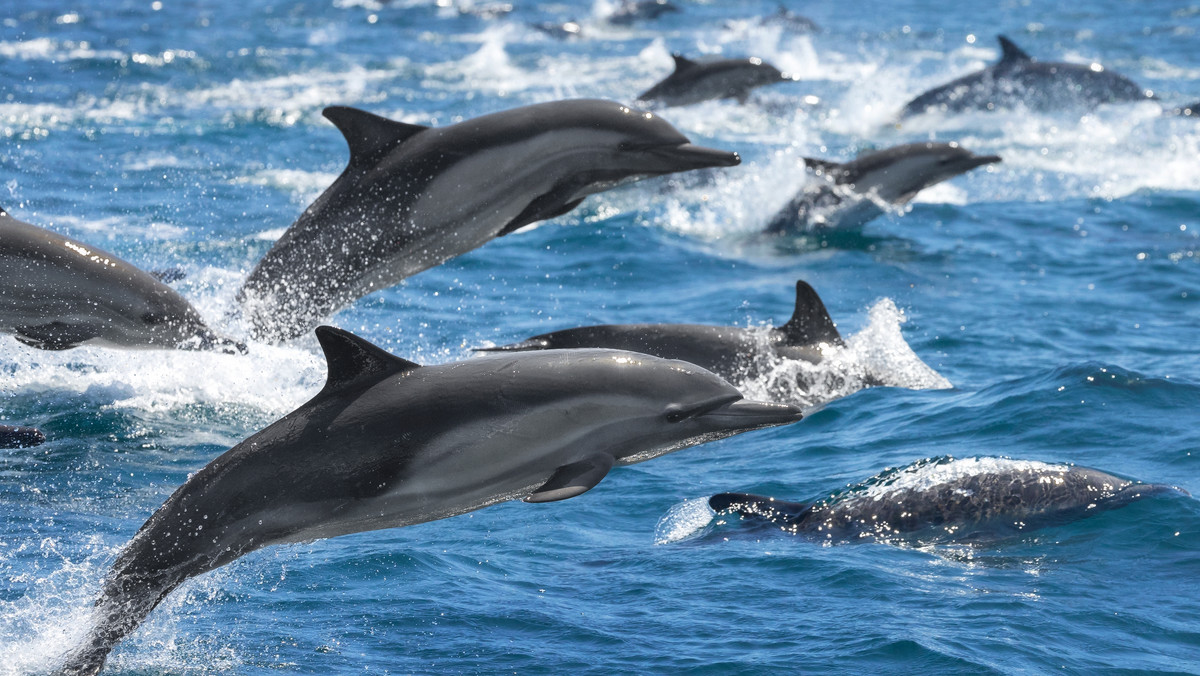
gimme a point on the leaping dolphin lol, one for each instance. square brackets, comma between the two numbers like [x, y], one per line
[15, 436]
[696, 81]
[413, 197]
[1017, 80]
[57, 293]
[734, 353]
[944, 498]
[388, 443]
[852, 193]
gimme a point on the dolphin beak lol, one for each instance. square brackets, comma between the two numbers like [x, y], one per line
[980, 160]
[687, 156]
[751, 415]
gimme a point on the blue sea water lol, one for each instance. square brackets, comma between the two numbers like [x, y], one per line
[1045, 308]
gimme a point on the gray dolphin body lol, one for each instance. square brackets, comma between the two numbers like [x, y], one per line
[412, 197]
[852, 193]
[734, 353]
[944, 498]
[57, 293]
[388, 443]
[1017, 80]
[696, 81]
[16, 436]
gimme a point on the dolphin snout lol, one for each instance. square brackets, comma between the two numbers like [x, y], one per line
[746, 414]
[980, 160]
[689, 156]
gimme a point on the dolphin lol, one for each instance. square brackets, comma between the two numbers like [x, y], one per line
[14, 436]
[58, 293]
[388, 443]
[1017, 80]
[640, 10]
[412, 197]
[693, 81]
[734, 353]
[852, 193]
[944, 498]
[790, 20]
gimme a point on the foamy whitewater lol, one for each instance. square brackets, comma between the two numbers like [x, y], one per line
[1042, 308]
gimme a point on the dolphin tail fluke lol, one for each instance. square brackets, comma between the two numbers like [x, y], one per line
[810, 322]
[126, 601]
[523, 346]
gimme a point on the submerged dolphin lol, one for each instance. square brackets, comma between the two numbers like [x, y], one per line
[413, 197]
[852, 193]
[14, 436]
[734, 353]
[388, 443]
[696, 81]
[943, 498]
[1017, 80]
[57, 293]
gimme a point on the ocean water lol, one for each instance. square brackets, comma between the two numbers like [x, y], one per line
[1046, 308]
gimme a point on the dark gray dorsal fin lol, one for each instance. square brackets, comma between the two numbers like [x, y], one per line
[827, 167]
[1010, 53]
[682, 63]
[353, 361]
[367, 133]
[810, 323]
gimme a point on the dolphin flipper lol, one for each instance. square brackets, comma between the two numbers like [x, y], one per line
[573, 479]
[810, 323]
[542, 208]
[54, 336]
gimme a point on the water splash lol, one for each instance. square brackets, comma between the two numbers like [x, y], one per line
[684, 521]
[875, 356]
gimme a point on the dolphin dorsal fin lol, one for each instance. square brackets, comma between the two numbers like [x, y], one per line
[367, 133]
[810, 323]
[1010, 53]
[353, 361]
[682, 63]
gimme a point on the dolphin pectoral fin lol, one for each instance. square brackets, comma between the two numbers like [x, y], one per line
[573, 479]
[810, 322]
[54, 336]
[367, 133]
[353, 361]
[538, 210]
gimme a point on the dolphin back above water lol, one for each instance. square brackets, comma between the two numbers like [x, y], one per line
[734, 353]
[15, 436]
[58, 293]
[412, 197]
[1017, 80]
[852, 193]
[388, 443]
[696, 81]
[944, 498]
